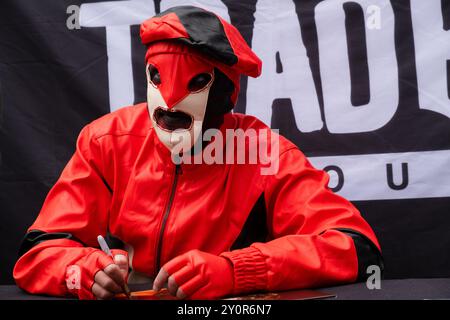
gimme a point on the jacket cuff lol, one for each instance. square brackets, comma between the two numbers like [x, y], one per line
[89, 265]
[250, 269]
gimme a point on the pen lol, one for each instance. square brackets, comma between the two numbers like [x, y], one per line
[105, 249]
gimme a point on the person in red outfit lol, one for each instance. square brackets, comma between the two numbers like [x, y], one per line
[207, 230]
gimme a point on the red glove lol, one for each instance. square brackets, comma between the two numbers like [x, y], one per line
[196, 275]
[87, 280]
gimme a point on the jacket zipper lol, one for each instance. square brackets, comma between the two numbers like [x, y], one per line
[165, 217]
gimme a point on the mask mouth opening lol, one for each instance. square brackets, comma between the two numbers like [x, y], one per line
[171, 120]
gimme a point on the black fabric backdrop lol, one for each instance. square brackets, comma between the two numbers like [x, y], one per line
[54, 80]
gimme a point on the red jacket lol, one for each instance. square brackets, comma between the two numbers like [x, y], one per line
[280, 231]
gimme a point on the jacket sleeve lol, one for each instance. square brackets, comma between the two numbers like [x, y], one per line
[58, 255]
[317, 237]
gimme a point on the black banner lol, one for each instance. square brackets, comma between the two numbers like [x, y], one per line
[362, 87]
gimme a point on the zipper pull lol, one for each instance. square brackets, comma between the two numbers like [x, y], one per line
[178, 169]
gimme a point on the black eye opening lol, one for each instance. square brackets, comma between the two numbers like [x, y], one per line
[199, 82]
[153, 75]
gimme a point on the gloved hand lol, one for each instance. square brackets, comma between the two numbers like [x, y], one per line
[196, 275]
[97, 275]
[110, 280]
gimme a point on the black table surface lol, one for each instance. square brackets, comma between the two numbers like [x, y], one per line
[404, 289]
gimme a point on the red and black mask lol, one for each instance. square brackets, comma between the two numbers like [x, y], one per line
[178, 87]
[193, 63]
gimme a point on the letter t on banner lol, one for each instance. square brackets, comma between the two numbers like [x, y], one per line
[117, 17]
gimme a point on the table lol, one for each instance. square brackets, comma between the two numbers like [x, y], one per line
[404, 289]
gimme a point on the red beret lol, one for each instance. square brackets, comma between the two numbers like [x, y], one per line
[205, 31]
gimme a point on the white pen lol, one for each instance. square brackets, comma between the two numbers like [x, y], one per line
[105, 249]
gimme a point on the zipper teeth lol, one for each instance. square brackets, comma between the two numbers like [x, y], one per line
[164, 221]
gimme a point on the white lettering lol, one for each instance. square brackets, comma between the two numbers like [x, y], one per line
[432, 45]
[365, 175]
[117, 17]
[340, 115]
[277, 30]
